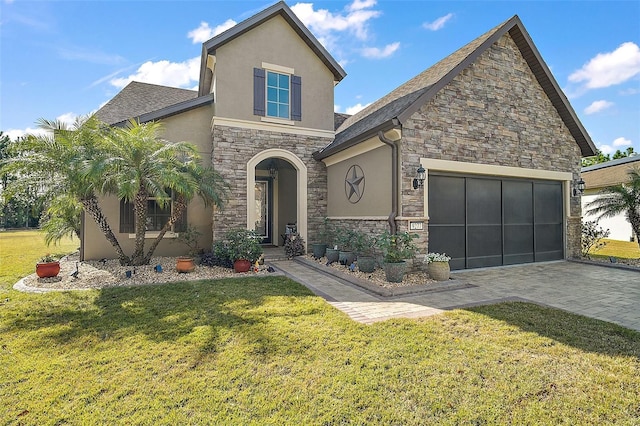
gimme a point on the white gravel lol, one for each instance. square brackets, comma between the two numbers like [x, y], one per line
[96, 274]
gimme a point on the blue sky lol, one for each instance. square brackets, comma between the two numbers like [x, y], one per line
[60, 59]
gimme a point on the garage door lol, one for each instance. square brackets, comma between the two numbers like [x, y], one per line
[483, 222]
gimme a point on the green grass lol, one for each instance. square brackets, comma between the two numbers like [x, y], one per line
[619, 249]
[267, 351]
[20, 250]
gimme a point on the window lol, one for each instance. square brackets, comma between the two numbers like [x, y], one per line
[277, 95]
[157, 217]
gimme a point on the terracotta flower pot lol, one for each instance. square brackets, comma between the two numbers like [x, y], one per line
[241, 265]
[439, 271]
[185, 264]
[48, 269]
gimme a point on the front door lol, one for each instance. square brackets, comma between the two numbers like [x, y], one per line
[264, 209]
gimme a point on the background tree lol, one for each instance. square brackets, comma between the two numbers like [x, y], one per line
[23, 206]
[618, 199]
[623, 154]
[140, 165]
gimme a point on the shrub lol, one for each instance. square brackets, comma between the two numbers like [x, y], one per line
[294, 246]
[220, 259]
[592, 234]
[397, 247]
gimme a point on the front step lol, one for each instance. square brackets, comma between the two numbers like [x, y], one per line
[274, 254]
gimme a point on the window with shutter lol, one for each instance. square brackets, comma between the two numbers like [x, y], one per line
[277, 95]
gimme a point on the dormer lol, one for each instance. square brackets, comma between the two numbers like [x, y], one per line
[271, 69]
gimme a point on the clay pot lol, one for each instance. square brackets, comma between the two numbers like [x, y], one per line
[48, 269]
[185, 264]
[241, 265]
[439, 271]
[394, 272]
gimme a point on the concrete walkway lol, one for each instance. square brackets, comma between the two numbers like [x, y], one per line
[600, 292]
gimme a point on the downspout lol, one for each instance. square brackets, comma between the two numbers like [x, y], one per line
[394, 181]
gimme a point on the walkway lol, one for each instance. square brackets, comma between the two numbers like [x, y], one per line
[600, 292]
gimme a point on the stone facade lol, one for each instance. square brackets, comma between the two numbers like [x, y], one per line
[233, 147]
[494, 112]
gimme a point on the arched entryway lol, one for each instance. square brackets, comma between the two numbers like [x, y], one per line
[261, 185]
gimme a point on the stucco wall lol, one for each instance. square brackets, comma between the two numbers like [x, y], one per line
[618, 226]
[273, 42]
[191, 126]
[494, 112]
[376, 197]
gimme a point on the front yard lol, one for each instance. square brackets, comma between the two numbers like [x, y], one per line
[267, 351]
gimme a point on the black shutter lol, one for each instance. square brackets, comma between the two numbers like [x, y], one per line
[127, 218]
[258, 92]
[296, 98]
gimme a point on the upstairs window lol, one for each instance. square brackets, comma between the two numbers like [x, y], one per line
[277, 94]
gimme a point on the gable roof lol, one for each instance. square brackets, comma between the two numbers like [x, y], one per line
[138, 99]
[209, 47]
[396, 107]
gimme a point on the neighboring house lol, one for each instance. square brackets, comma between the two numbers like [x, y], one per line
[600, 176]
[498, 139]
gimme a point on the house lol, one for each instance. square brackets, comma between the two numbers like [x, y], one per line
[499, 142]
[598, 177]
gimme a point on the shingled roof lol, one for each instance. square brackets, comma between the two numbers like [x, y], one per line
[396, 107]
[138, 99]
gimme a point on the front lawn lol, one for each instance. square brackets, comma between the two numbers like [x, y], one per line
[267, 351]
[617, 248]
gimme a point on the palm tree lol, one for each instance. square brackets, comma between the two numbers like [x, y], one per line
[140, 165]
[621, 198]
[61, 163]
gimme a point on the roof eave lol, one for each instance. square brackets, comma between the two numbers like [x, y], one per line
[385, 126]
[280, 8]
[171, 110]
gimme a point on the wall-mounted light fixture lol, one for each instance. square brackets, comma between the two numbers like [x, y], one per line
[421, 175]
[273, 171]
[578, 187]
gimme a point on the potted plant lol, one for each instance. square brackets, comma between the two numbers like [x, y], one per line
[324, 238]
[438, 266]
[344, 239]
[244, 248]
[189, 237]
[396, 248]
[364, 245]
[48, 266]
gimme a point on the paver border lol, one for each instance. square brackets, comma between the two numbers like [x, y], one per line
[606, 265]
[452, 284]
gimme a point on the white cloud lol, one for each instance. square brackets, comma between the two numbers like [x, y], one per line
[175, 74]
[361, 4]
[325, 24]
[204, 32]
[621, 142]
[629, 92]
[439, 23]
[336, 108]
[606, 149]
[597, 106]
[356, 108]
[608, 69]
[377, 53]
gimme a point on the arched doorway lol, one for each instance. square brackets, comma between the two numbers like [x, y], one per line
[275, 200]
